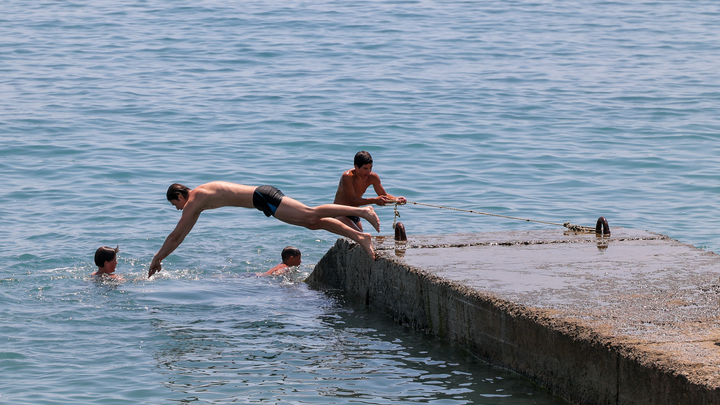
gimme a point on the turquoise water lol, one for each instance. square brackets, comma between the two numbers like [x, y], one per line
[554, 111]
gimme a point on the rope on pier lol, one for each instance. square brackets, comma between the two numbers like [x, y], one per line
[568, 225]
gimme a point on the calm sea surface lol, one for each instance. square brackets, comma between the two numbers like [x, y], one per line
[553, 111]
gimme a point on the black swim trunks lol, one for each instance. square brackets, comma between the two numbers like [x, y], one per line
[356, 220]
[267, 199]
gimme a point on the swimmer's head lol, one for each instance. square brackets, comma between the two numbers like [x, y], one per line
[105, 254]
[291, 256]
[176, 190]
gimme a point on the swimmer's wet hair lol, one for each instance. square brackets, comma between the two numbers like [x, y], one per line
[289, 252]
[105, 254]
[362, 158]
[175, 190]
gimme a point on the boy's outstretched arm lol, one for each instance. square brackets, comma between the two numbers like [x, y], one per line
[182, 229]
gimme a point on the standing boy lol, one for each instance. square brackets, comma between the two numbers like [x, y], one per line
[353, 184]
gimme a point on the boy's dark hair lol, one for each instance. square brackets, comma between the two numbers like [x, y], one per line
[175, 190]
[289, 252]
[362, 158]
[105, 254]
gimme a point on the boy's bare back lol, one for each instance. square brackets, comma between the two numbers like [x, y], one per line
[218, 194]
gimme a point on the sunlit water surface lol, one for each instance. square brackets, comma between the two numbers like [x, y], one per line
[534, 109]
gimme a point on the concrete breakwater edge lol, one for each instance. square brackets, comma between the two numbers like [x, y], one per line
[628, 319]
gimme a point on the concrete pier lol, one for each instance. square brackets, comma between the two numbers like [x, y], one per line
[629, 319]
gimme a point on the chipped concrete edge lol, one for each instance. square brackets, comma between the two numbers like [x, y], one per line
[579, 363]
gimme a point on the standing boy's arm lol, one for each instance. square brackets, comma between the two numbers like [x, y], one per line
[380, 190]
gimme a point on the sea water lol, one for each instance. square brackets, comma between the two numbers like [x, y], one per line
[551, 111]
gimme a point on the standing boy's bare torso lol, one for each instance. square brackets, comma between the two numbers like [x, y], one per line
[355, 184]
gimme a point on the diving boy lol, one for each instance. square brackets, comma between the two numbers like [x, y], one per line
[269, 200]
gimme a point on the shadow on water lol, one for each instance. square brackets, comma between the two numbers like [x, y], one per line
[432, 369]
[304, 346]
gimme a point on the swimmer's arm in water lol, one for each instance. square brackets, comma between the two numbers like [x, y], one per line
[279, 269]
[182, 229]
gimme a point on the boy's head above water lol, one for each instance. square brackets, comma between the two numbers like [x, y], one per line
[106, 260]
[291, 256]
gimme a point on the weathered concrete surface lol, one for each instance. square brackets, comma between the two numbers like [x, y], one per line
[631, 319]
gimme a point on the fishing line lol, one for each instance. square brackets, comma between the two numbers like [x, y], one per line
[601, 225]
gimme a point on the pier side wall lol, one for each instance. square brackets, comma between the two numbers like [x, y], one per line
[571, 360]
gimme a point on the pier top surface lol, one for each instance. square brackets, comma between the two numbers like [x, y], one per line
[638, 288]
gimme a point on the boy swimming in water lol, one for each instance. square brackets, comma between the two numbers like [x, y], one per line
[354, 183]
[106, 260]
[291, 257]
[267, 199]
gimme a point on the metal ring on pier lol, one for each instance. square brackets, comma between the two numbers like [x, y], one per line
[602, 228]
[400, 232]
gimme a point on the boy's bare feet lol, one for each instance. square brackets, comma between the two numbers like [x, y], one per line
[372, 217]
[366, 242]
